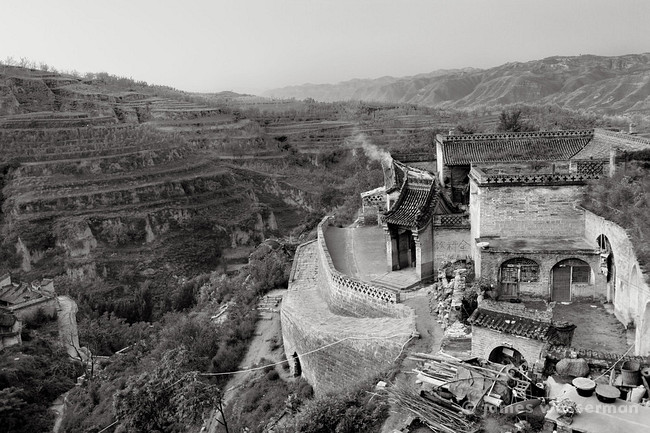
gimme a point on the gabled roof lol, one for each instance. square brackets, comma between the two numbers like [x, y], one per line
[18, 293]
[513, 146]
[413, 207]
[419, 198]
[522, 325]
[604, 141]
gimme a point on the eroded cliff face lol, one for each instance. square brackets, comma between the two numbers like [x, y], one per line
[96, 227]
[106, 179]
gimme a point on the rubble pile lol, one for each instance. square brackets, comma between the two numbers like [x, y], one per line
[447, 297]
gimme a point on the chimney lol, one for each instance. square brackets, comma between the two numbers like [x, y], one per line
[612, 161]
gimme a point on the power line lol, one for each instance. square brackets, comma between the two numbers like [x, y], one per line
[313, 351]
[614, 365]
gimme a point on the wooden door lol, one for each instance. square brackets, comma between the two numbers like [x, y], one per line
[561, 283]
[510, 281]
[403, 244]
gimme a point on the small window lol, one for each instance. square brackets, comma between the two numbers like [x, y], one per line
[526, 270]
[581, 274]
[529, 273]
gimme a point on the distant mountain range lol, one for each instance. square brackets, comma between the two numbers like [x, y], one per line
[608, 85]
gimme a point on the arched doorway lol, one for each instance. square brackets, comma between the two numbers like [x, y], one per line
[515, 271]
[405, 249]
[506, 355]
[565, 274]
[297, 369]
[607, 265]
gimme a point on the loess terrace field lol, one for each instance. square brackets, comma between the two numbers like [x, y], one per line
[112, 184]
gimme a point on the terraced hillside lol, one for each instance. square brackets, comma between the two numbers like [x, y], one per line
[120, 185]
[123, 187]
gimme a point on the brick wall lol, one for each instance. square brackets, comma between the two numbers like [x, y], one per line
[484, 341]
[530, 211]
[335, 351]
[630, 291]
[341, 364]
[490, 262]
[451, 244]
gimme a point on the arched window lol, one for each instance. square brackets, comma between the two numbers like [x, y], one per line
[580, 271]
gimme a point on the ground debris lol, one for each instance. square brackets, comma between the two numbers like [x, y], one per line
[439, 418]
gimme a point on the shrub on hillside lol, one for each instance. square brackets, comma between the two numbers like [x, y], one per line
[32, 377]
[625, 199]
[269, 267]
[352, 412]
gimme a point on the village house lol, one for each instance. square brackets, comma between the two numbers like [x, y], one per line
[10, 328]
[26, 300]
[510, 203]
[508, 333]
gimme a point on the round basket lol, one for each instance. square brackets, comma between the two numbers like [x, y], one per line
[584, 386]
[607, 393]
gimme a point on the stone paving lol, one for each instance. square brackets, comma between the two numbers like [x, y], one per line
[304, 300]
[360, 252]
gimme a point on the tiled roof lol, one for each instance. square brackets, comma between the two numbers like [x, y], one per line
[16, 294]
[511, 147]
[520, 326]
[413, 207]
[604, 141]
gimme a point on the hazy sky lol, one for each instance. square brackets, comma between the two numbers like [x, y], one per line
[254, 45]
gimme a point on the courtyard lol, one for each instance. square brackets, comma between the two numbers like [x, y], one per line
[597, 329]
[360, 252]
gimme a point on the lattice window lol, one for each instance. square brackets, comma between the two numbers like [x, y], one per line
[527, 270]
[590, 167]
[452, 220]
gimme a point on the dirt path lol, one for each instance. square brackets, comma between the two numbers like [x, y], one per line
[429, 342]
[67, 320]
[69, 336]
[267, 329]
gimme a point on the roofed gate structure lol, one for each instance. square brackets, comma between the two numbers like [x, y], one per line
[409, 222]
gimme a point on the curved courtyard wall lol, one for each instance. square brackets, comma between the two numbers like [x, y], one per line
[351, 296]
[630, 291]
[336, 330]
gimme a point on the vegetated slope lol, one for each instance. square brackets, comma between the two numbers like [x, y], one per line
[606, 85]
[121, 185]
[625, 199]
[124, 187]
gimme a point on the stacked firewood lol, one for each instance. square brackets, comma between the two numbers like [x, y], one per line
[436, 416]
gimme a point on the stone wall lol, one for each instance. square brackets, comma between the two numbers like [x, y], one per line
[349, 295]
[490, 262]
[630, 291]
[526, 211]
[335, 351]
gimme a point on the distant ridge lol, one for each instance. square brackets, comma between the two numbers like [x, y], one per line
[607, 85]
